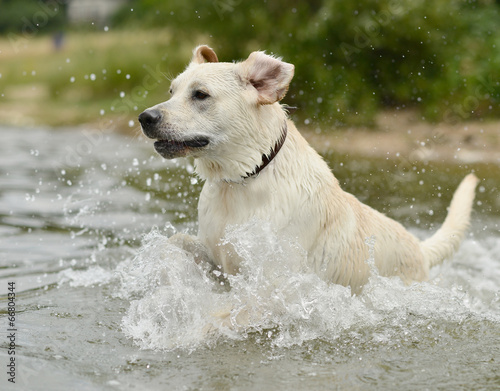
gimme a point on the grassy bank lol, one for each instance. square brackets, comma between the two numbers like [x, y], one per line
[107, 74]
[353, 60]
[106, 78]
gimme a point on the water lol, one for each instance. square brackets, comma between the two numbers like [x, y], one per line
[103, 302]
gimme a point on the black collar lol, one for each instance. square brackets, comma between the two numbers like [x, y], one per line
[266, 159]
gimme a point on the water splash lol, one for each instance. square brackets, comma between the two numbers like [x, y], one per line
[175, 303]
[178, 304]
[94, 275]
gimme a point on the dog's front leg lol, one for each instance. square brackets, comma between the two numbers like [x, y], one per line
[201, 255]
[228, 319]
[193, 246]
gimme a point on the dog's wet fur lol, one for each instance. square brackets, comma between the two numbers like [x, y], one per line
[228, 117]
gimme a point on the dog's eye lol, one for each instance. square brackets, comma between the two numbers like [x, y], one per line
[200, 95]
[171, 91]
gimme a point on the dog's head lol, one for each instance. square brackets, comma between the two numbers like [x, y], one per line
[223, 114]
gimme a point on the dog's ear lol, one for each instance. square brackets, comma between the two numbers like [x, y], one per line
[270, 76]
[202, 54]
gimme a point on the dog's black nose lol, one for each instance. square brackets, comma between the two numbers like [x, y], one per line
[149, 117]
[149, 120]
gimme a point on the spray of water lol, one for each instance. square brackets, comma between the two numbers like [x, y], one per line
[178, 304]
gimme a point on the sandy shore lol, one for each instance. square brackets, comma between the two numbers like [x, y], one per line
[396, 135]
[402, 134]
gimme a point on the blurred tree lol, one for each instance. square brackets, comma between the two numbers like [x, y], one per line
[32, 16]
[354, 57]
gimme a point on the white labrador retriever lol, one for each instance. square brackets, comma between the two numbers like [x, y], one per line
[257, 165]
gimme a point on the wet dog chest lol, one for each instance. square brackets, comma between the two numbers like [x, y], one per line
[232, 203]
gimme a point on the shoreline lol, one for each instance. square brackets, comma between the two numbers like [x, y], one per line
[402, 134]
[397, 134]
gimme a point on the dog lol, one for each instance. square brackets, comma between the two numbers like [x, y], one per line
[256, 165]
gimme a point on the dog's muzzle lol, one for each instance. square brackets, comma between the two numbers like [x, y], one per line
[167, 145]
[150, 120]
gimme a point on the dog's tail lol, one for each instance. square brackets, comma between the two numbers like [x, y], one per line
[447, 239]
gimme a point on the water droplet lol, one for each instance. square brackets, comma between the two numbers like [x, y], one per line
[72, 79]
[131, 123]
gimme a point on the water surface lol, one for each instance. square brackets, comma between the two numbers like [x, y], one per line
[104, 302]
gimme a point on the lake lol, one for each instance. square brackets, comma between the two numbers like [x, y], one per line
[103, 302]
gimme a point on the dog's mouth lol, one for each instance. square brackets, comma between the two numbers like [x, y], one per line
[171, 149]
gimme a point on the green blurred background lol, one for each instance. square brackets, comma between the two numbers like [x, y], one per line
[69, 62]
